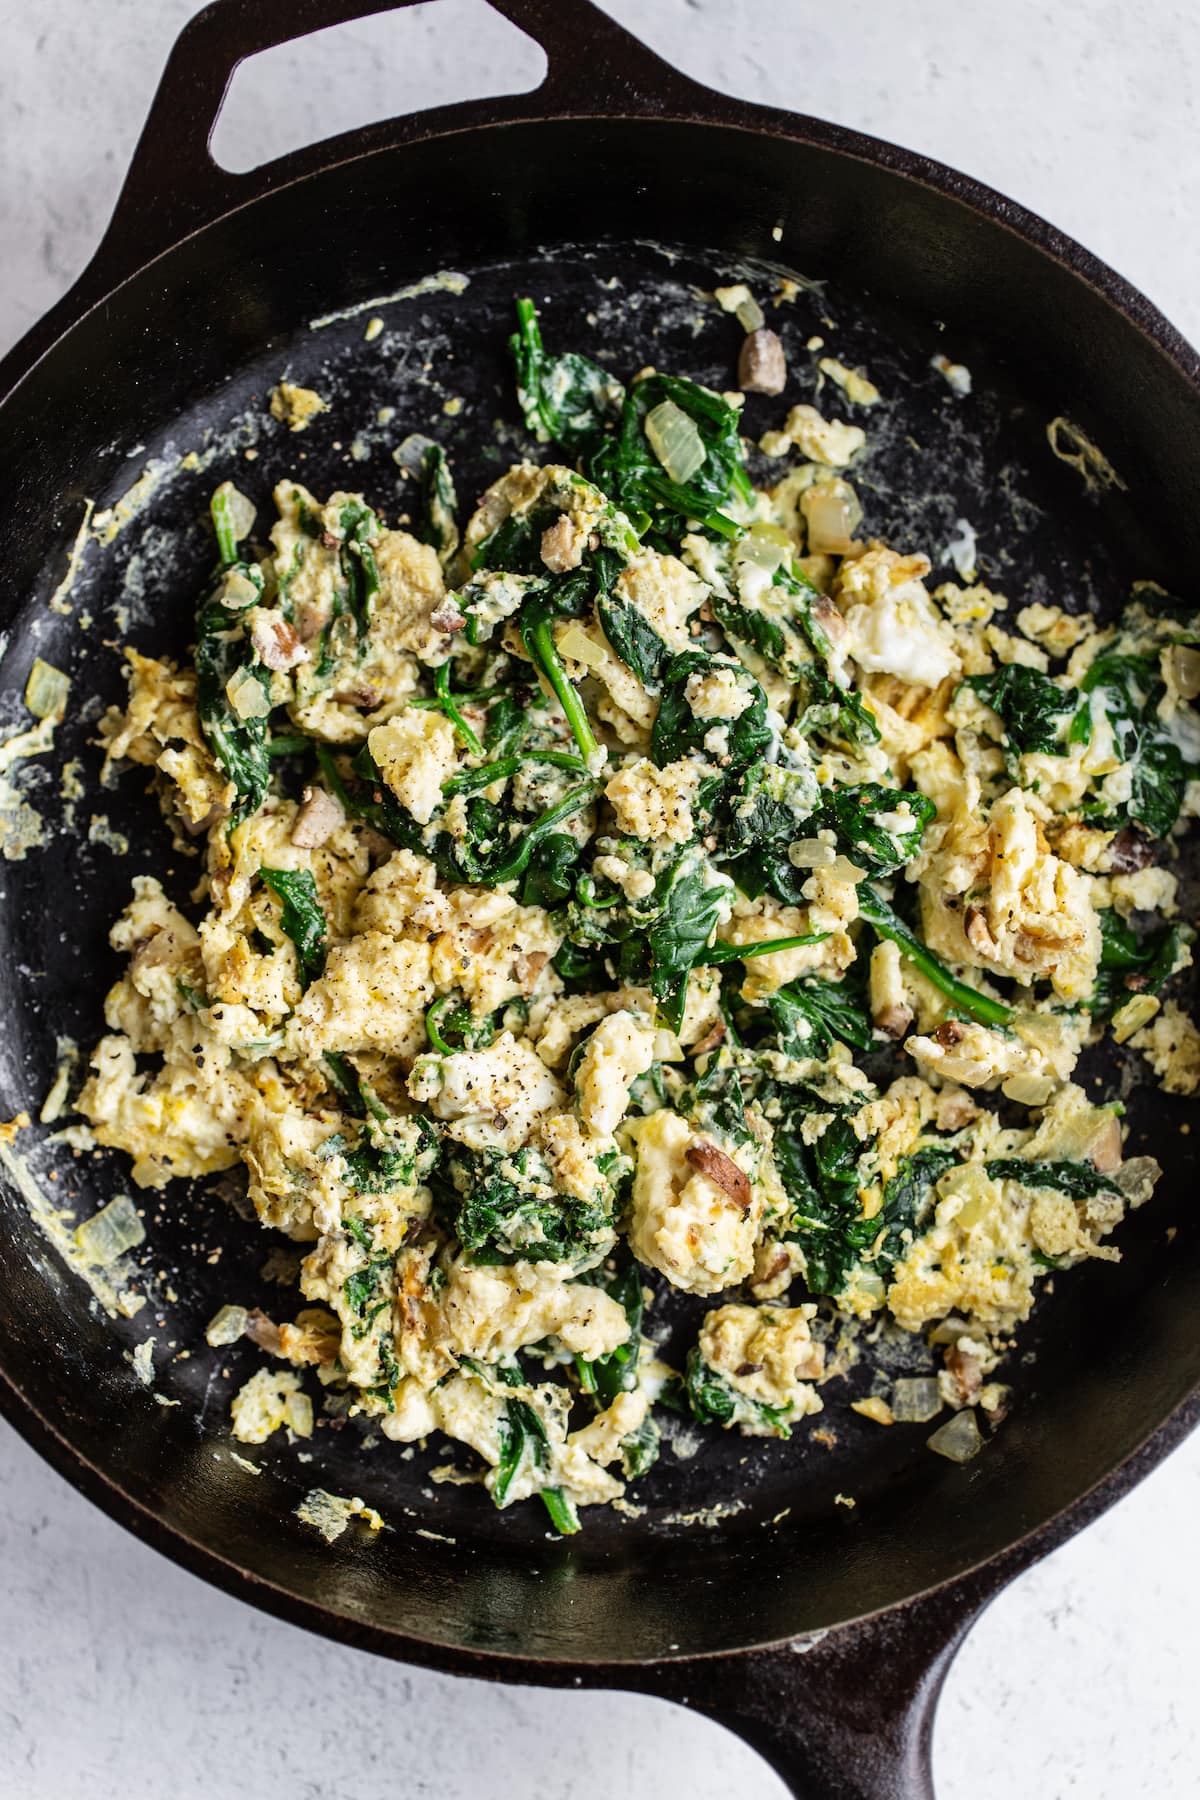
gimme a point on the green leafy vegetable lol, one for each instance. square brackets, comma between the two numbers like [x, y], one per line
[1033, 708]
[877, 826]
[507, 1203]
[625, 464]
[1131, 965]
[811, 1015]
[303, 919]
[885, 924]
[1080, 1180]
[566, 399]
[439, 524]
[714, 1402]
[1129, 690]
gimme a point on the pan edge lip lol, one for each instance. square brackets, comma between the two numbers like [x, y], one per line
[979, 198]
[968, 1590]
[991, 207]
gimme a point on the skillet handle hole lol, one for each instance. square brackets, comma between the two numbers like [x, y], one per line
[347, 76]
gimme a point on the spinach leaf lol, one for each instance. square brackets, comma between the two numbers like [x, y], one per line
[302, 919]
[507, 1204]
[1033, 709]
[714, 1402]
[874, 910]
[811, 1015]
[1131, 965]
[616, 1371]
[774, 804]
[828, 1224]
[566, 399]
[439, 523]
[835, 713]
[225, 655]
[523, 1440]
[1129, 688]
[626, 466]
[677, 731]
[364, 1292]
[871, 824]
[634, 639]
[1080, 1180]
[692, 898]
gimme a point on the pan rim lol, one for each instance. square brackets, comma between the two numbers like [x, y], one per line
[977, 198]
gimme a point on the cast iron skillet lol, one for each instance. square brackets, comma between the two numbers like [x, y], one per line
[819, 1631]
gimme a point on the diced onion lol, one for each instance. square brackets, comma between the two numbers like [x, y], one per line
[575, 643]
[298, 1410]
[238, 592]
[874, 1407]
[46, 690]
[1136, 1012]
[1029, 1090]
[958, 1439]
[766, 546]
[1184, 666]
[811, 853]
[226, 1326]
[832, 514]
[750, 315]
[110, 1232]
[915, 1399]
[842, 869]
[675, 441]
[1136, 1178]
[241, 511]
[247, 696]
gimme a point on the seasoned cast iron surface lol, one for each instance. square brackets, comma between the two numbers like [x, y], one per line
[441, 364]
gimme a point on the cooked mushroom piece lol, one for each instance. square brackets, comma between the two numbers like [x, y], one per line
[762, 366]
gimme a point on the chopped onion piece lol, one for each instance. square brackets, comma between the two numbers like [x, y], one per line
[675, 440]
[1135, 1013]
[226, 1326]
[832, 514]
[1137, 1177]
[750, 315]
[842, 869]
[811, 853]
[958, 1439]
[1028, 1090]
[575, 643]
[46, 690]
[110, 1232]
[238, 591]
[915, 1399]
[298, 1412]
[1184, 666]
[874, 1407]
[240, 511]
[247, 696]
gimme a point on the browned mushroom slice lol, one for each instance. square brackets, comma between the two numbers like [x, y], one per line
[722, 1170]
[762, 366]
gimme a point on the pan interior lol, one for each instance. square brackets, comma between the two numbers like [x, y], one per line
[782, 1538]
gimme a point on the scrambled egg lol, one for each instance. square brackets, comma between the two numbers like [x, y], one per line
[555, 877]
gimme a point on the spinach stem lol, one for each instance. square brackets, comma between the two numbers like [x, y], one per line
[449, 705]
[723, 953]
[471, 780]
[539, 641]
[574, 802]
[885, 924]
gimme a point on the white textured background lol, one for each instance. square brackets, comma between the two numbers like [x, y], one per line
[122, 1678]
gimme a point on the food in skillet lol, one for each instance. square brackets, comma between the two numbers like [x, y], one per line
[654, 886]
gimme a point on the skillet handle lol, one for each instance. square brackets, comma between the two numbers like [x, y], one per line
[594, 67]
[847, 1716]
